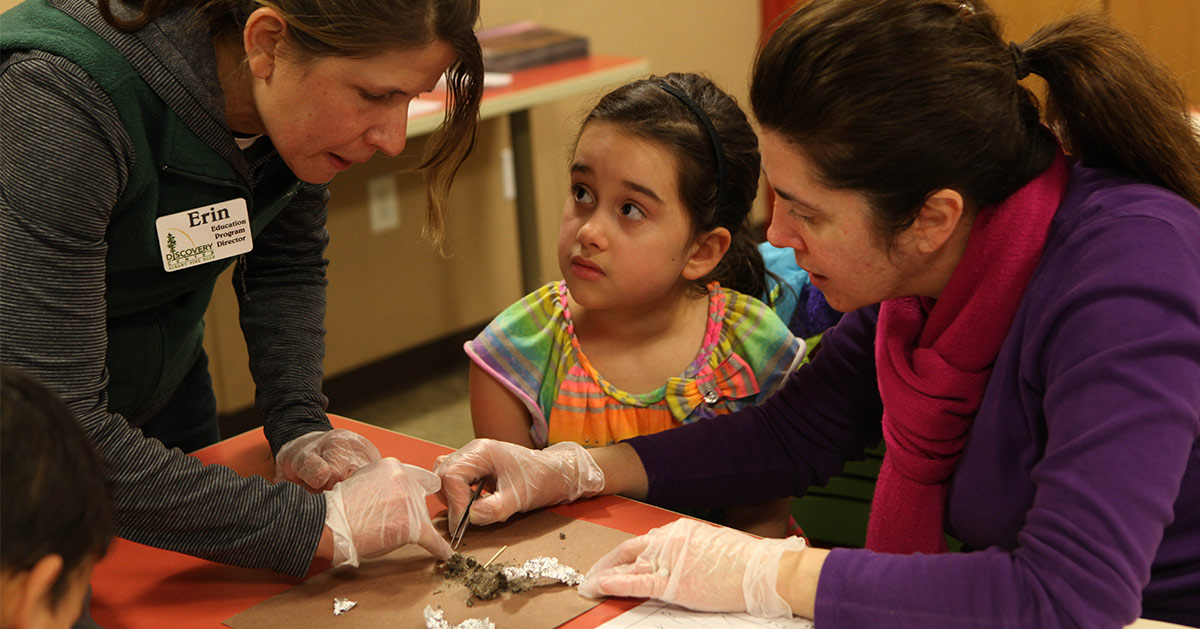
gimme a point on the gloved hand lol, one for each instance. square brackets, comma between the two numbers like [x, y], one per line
[696, 565]
[521, 478]
[380, 508]
[321, 459]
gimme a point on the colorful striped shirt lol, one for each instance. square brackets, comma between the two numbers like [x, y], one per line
[532, 350]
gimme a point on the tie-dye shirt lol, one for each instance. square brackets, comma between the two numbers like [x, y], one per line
[532, 350]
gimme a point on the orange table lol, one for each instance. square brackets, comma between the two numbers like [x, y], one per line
[139, 586]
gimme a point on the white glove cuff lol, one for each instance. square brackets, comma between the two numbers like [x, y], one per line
[589, 479]
[298, 442]
[344, 552]
[762, 572]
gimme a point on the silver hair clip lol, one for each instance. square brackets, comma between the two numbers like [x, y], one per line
[966, 8]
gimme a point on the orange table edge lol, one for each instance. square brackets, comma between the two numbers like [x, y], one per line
[137, 586]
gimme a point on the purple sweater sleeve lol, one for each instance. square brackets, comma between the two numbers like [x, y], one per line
[793, 440]
[1099, 392]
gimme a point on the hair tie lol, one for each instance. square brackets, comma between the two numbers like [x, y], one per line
[1018, 57]
[713, 136]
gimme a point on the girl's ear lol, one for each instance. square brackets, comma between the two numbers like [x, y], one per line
[264, 32]
[707, 252]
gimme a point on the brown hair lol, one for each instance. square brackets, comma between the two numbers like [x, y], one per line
[55, 499]
[897, 100]
[645, 109]
[361, 28]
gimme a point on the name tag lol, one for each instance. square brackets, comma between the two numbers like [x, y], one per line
[204, 234]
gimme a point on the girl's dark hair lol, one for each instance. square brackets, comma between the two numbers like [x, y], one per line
[646, 110]
[54, 499]
[898, 99]
[362, 28]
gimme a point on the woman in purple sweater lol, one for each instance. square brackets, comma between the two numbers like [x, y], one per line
[1023, 330]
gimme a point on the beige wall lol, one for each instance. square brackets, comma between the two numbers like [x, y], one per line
[1022, 17]
[391, 291]
[1169, 29]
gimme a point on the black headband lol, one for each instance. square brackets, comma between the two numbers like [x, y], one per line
[713, 136]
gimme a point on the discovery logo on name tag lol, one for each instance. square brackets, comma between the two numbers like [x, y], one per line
[204, 234]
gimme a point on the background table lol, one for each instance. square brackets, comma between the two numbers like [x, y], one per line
[138, 586]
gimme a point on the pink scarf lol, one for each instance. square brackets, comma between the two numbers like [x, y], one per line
[934, 357]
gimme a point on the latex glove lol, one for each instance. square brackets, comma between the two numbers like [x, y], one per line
[521, 478]
[696, 565]
[323, 458]
[380, 508]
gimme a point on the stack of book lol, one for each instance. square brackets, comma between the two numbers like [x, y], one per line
[522, 45]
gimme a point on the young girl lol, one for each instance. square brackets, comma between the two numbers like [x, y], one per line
[653, 325]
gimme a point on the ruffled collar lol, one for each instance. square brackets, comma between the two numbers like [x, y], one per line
[716, 373]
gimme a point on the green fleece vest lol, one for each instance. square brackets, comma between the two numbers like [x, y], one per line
[155, 318]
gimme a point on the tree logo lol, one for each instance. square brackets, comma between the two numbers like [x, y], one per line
[177, 258]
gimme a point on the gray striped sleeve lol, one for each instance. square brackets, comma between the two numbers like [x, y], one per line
[280, 287]
[64, 160]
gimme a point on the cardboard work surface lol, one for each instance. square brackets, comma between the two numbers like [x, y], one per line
[393, 590]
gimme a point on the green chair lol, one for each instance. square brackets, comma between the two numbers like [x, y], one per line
[836, 515]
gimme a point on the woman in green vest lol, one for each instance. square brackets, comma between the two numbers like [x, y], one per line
[148, 147]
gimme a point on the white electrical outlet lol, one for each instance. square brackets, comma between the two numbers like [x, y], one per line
[383, 203]
[508, 174]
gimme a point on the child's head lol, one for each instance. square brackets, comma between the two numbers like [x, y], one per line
[681, 133]
[55, 516]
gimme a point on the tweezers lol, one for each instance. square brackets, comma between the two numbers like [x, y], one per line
[456, 538]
